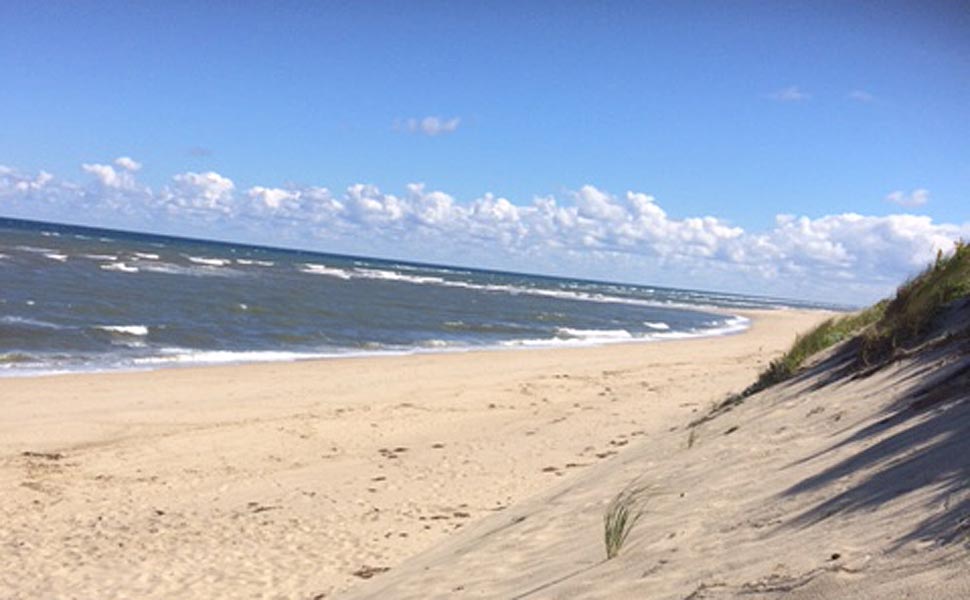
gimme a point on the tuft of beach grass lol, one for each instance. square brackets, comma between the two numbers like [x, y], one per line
[622, 514]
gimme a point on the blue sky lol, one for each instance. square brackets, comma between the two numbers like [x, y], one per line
[739, 112]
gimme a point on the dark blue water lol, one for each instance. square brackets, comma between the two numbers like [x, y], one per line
[80, 299]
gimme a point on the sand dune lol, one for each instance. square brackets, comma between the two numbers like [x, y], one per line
[304, 480]
[839, 484]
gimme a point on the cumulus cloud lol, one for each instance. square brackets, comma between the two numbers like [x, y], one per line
[917, 197]
[127, 163]
[119, 176]
[789, 94]
[110, 177]
[271, 199]
[202, 194]
[429, 125]
[589, 232]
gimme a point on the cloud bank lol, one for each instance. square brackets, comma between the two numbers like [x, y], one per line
[847, 257]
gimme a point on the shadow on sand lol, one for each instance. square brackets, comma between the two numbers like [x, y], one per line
[922, 442]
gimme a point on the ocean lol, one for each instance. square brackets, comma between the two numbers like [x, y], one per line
[76, 299]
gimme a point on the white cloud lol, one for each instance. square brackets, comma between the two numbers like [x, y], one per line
[861, 96]
[271, 198]
[790, 94]
[127, 163]
[589, 232]
[35, 184]
[429, 125]
[122, 178]
[917, 197]
[107, 175]
[206, 194]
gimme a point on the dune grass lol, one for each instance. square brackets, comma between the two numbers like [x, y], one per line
[917, 302]
[622, 513]
[826, 335]
[885, 326]
[882, 328]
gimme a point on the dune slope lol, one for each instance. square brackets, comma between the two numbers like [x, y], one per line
[843, 482]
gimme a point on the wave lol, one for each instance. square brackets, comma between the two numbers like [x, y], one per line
[146, 255]
[136, 330]
[657, 325]
[316, 269]
[56, 256]
[174, 356]
[15, 358]
[715, 328]
[108, 257]
[395, 276]
[252, 261]
[28, 322]
[374, 274]
[209, 262]
[598, 335]
[35, 249]
[119, 266]
[444, 270]
[199, 271]
[563, 294]
[438, 344]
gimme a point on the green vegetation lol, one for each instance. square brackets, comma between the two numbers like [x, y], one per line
[882, 328]
[824, 336]
[917, 303]
[621, 515]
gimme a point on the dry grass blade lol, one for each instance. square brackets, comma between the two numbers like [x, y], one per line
[621, 515]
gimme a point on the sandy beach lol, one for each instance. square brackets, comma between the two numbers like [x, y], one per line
[301, 480]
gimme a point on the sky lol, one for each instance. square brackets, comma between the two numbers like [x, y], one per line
[816, 150]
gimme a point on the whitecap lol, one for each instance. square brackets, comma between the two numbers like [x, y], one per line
[119, 266]
[209, 262]
[110, 257]
[12, 320]
[200, 271]
[394, 276]
[137, 330]
[316, 269]
[146, 255]
[56, 256]
[660, 325]
[251, 261]
[594, 335]
[436, 344]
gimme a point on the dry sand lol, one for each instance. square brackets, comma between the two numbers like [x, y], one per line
[840, 484]
[301, 480]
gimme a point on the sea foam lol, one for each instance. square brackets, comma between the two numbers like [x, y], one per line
[137, 330]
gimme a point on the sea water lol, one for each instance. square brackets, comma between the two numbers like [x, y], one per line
[82, 299]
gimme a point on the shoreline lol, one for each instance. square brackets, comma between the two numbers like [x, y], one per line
[157, 363]
[304, 478]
